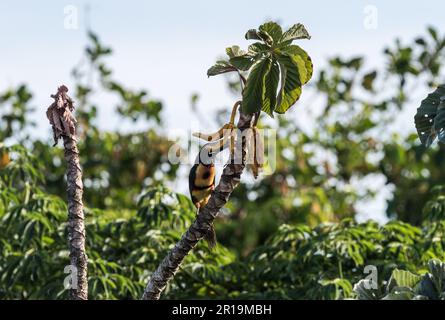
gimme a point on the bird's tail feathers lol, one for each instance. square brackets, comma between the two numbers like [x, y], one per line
[210, 237]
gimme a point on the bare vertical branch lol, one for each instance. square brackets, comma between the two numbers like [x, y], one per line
[61, 118]
[229, 180]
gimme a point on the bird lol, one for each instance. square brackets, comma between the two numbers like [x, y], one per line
[202, 183]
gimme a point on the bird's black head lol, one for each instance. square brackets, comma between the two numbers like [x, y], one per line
[206, 156]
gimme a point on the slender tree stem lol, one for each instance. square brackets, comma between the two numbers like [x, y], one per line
[63, 123]
[76, 219]
[230, 178]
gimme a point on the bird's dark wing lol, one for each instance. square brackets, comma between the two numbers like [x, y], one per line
[192, 177]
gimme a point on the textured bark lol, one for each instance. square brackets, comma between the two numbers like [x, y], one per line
[76, 223]
[62, 121]
[229, 180]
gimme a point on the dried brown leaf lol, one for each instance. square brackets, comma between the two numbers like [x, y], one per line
[60, 115]
[255, 151]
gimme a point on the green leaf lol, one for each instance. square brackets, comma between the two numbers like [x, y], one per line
[243, 63]
[254, 90]
[298, 54]
[437, 270]
[427, 287]
[363, 292]
[271, 85]
[220, 67]
[273, 30]
[290, 89]
[234, 51]
[433, 33]
[342, 287]
[252, 34]
[430, 117]
[258, 47]
[368, 80]
[399, 293]
[403, 278]
[297, 31]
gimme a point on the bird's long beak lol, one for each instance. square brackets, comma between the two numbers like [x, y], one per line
[216, 147]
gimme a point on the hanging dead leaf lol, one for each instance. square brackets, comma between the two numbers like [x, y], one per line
[60, 115]
[255, 151]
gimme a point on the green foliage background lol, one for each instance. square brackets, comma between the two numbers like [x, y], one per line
[289, 235]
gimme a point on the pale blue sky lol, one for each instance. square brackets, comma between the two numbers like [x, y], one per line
[167, 46]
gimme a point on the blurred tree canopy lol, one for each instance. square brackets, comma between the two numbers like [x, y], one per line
[291, 234]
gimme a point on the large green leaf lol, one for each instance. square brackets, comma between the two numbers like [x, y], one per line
[403, 278]
[271, 85]
[363, 291]
[273, 29]
[254, 90]
[234, 51]
[400, 293]
[220, 67]
[258, 48]
[430, 117]
[297, 31]
[254, 34]
[437, 270]
[427, 287]
[239, 58]
[290, 89]
[299, 55]
[243, 63]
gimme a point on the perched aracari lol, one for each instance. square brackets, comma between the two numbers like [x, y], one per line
[202, 183]
[202, 174]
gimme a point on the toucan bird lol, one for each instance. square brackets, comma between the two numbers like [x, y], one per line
[202, 182]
